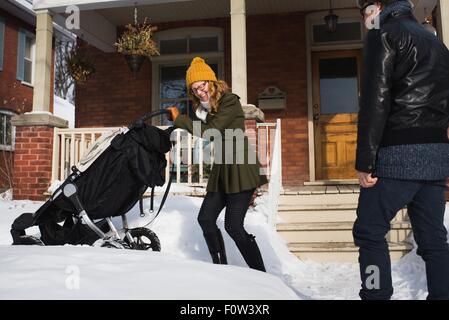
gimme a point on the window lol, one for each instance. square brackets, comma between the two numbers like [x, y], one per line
[177, 48]
[346, 32]
[7, 131]
[173, 89]
[2, 41]
[190, 40]
[25, 57]
[339, 86]
[189, 45]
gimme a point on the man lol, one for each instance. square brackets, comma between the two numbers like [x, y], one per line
[402, 146]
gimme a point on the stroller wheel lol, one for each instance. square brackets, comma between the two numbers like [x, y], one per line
[144, 239]
[30, 241]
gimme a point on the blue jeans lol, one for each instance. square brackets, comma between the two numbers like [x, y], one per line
[425, 201]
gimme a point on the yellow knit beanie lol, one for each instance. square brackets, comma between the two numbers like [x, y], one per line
[199, 71]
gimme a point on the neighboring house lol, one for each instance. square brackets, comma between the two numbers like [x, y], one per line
[17, 74]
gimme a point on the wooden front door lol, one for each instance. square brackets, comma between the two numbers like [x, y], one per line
[336, 83]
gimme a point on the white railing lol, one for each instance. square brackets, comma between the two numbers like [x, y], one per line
[195, 154]
[275, 165]
[194, 157]
[70, 145]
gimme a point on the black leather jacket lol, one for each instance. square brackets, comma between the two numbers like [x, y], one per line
[405, 92]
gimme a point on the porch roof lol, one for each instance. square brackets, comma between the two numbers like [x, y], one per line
[179, 10]
[100, 18]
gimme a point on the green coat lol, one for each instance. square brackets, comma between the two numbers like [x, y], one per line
[230, 175]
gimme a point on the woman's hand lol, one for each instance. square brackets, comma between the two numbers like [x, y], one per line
[173, 113]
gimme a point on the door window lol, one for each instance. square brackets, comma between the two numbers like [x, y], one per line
[338, 86]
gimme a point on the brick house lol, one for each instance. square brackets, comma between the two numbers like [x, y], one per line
[277, 55]
[280, 45]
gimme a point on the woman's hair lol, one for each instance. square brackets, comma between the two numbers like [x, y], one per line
[216, 91]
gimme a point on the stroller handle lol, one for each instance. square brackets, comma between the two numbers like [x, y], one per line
[153, 114]
[139, 122]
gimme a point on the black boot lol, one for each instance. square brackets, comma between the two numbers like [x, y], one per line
[251, 254]
[216, 247]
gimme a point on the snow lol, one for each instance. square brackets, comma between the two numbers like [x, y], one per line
[65, 110]
[182, 270]
[112, 274]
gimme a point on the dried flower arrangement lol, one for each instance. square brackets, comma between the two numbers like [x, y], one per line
[79, 66]
[137, 39]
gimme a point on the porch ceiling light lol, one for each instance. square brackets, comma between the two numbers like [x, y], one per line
[331, 20]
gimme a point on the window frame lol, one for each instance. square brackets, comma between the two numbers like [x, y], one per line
[2, 41]
[4, 113]
[344, 21]
[24, 36]
[190, 33]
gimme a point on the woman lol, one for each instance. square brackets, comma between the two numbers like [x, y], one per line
[230, 185]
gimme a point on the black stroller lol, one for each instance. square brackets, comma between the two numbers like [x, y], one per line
[111, 181]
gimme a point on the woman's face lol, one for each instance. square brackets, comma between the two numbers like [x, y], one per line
[200, 89]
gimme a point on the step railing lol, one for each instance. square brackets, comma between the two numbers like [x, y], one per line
[270, 140]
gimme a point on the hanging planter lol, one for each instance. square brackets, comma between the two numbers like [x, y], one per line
[136, 44]
[135, 62]
[79, 65]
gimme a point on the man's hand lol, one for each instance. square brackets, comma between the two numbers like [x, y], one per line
[173, 113]
[366, 180]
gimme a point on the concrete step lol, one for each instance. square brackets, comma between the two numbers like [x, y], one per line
[341, 251]
[319, 199]
[325, 213]
[315, 232]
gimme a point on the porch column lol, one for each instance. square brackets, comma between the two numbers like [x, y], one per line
[42, 70]
[238, 49]
[444, 21]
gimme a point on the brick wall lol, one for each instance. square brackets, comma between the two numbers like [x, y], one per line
[112, 97]
[13, 94]
[32, 162]
[277, 57]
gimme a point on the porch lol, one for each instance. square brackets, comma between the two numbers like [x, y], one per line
[320, 144]
[188, 163]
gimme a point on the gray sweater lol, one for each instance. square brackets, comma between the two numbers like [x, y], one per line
[414, 162]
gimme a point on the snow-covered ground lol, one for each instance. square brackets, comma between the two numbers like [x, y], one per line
[182, 270]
